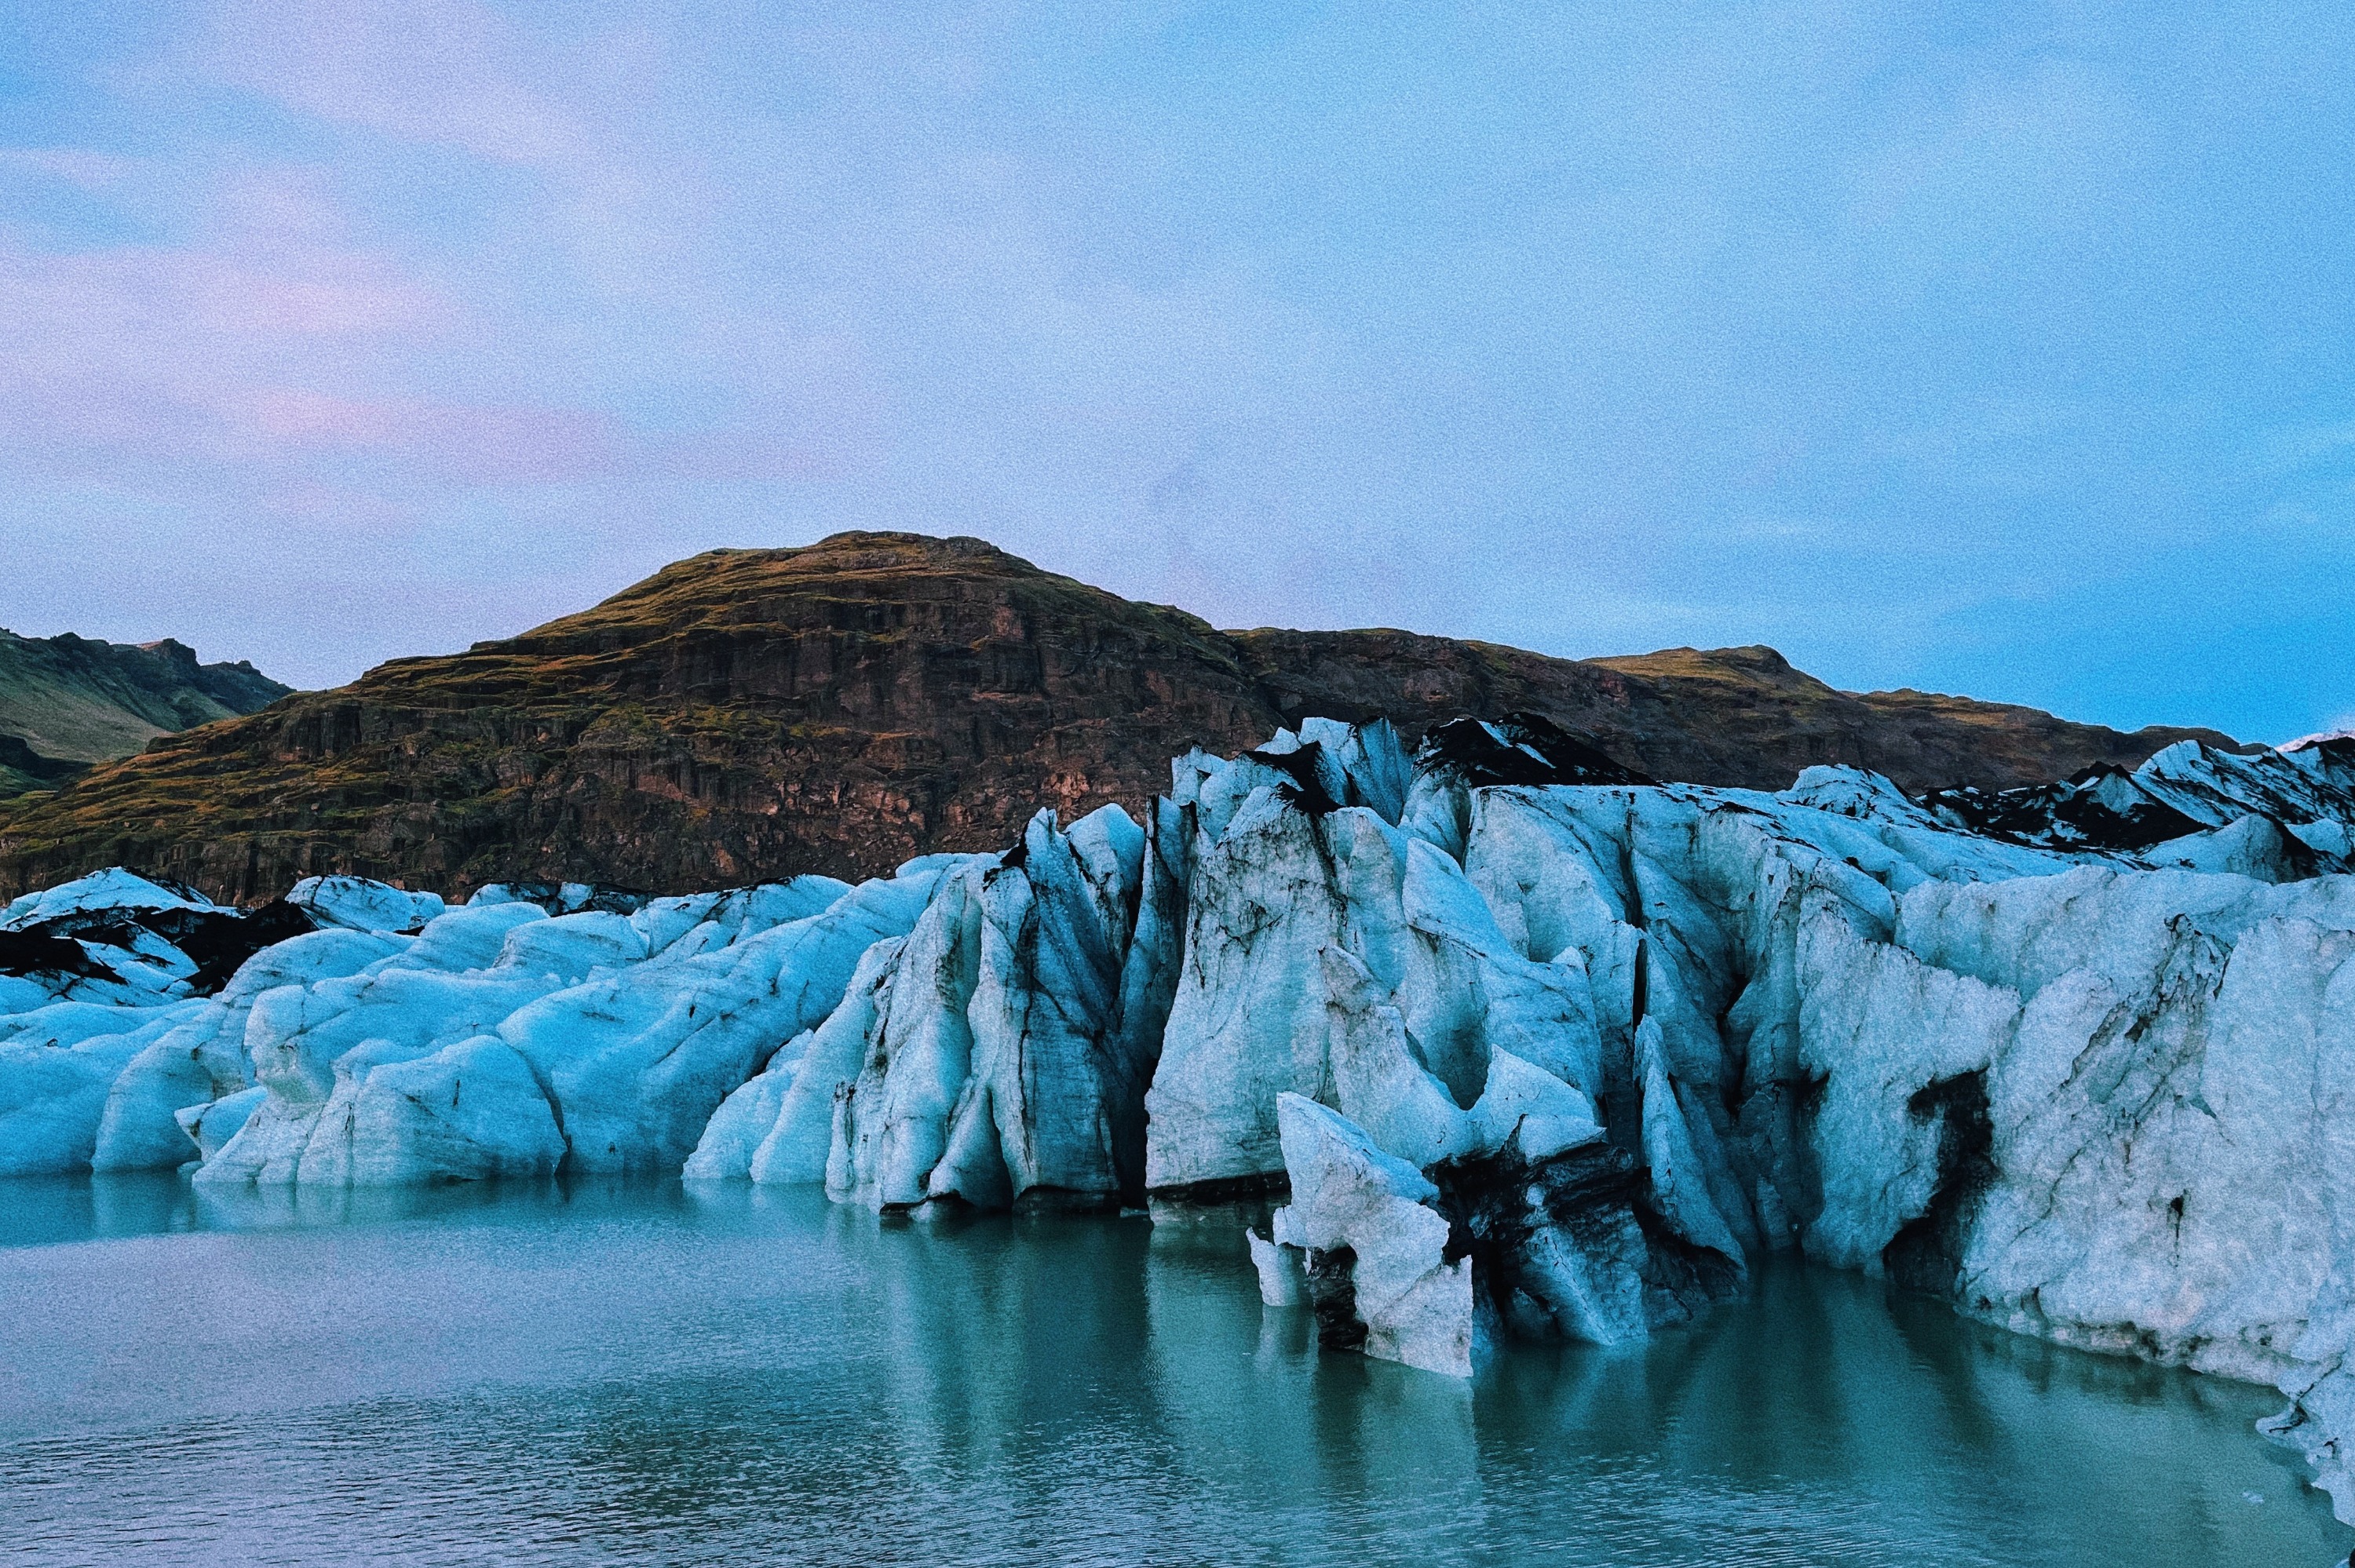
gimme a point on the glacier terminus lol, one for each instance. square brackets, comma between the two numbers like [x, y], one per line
[1492, 1041]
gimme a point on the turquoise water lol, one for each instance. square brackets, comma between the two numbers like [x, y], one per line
[652, 1374]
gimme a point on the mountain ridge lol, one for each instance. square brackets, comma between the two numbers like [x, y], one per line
[70, 702]
[743, 715]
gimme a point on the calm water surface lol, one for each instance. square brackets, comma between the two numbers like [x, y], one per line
[647, 1373]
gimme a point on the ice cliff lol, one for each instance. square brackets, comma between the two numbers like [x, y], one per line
[1521, 1042]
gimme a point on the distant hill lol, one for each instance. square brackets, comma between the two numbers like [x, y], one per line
[68, 702]
[750, 713]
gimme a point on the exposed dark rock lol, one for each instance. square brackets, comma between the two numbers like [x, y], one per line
[1593, 1196]
[221, 943]
[216, 940]
[1333, 1297]
[38, 952]
[1307, 791]
[2099, 808]
[576, 899]
[1926, 1254]
[1521, 748]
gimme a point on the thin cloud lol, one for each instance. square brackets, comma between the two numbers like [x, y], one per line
[424, 70]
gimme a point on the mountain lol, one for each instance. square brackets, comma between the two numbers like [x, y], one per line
[752, 714]
[68, 702]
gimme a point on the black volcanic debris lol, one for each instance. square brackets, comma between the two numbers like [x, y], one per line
[1494, 1204]
[2338, 752]
[1332, 1298]
[2101, 808]
[215, 941]
[579, 897]
[1306, 768]
[1575, 757]
[219, 941]
[2187, 789]
[45, 953]
[1521, 748]
[1926, 1254]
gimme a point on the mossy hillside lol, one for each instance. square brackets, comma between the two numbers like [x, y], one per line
[750, 713]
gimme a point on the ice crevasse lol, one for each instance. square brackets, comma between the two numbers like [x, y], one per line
[1501, 1042]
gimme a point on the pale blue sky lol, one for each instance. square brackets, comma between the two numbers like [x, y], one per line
[2007, 349]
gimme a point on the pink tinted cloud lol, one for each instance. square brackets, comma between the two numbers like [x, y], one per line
[268, 344]
[187, 360]
[165, 352]
[76, 165]
[428, 71]
[467, 444]
[276, 346]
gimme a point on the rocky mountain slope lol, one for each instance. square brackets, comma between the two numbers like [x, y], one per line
[754, 713]
[68, 702]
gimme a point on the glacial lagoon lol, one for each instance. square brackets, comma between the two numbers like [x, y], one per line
[652, 1373]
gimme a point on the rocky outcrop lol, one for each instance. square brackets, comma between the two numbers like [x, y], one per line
[753, 714]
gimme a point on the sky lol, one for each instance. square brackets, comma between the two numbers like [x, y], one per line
[1997, 348]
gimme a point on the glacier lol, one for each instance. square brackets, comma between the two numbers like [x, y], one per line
[1493, 1040]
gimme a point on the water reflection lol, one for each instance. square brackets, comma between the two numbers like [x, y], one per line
[602, 1372]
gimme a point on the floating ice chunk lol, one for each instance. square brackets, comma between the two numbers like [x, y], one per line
[1283, 1278]
[1377, 1270]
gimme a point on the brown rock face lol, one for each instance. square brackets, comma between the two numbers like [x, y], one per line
[751, 714]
